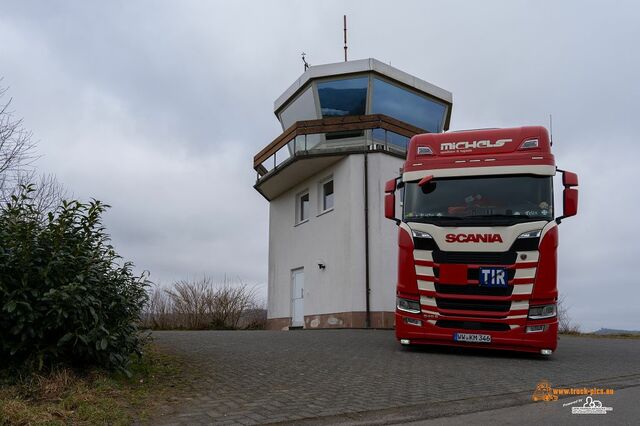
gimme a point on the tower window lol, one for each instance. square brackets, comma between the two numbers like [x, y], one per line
[343, 97]
[302, 207]
[327, 195]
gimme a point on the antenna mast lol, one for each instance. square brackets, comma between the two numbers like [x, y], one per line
[345, 37]
[550, 130]
[304, 60]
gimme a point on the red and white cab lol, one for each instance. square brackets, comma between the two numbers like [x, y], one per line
[478, 239]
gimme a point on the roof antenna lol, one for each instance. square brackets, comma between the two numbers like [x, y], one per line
[550, 130]
[304, 61]
[345, 37]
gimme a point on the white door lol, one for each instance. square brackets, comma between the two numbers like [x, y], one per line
[297, 297]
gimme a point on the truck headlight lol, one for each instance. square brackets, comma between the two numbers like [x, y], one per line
[542, 312]
[531, 234]
[406, 305]
[420, 234]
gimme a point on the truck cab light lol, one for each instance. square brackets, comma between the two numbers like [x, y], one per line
[425, 150]
[531, 234]
[412, 321]
[405, 342]
[529, 144]
[420, 234]
[542, 312]
[546, 352]
[406, 305]
[535, 328]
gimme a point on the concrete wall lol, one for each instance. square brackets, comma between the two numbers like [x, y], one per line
[336, 239]
[383, 234]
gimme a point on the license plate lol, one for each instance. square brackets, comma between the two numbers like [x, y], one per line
[493, 277]
[472, 338]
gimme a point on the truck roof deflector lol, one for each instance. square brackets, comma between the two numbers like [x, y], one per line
[425, 180]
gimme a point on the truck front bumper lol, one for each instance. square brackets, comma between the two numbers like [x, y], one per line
[516, 338]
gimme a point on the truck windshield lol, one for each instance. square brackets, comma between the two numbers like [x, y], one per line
[480, 199]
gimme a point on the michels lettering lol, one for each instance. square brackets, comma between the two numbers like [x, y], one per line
[486, 143]
[473, 238]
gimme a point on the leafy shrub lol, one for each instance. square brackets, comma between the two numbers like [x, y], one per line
[64, 296]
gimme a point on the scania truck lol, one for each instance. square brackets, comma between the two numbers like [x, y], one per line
[478, 239]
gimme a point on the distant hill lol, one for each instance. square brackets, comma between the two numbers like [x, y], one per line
[605, 331]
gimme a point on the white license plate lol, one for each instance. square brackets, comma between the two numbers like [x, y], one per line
[472, 338]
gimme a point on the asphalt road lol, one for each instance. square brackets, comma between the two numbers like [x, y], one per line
[365, 377]
[624, 405]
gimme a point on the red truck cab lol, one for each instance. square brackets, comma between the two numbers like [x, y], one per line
[478, 236]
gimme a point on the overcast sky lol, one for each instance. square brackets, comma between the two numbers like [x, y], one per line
[157, 108]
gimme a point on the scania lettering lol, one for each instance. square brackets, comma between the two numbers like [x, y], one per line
[477, 242]
[474, 238]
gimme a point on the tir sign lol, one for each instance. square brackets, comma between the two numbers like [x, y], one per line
[493, 277]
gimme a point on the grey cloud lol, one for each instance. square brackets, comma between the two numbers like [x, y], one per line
[158, 107]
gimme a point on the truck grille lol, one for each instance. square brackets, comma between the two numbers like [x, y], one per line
[473, 305]
[474, 273]
[475, 258]
[473, 325]
[473, 290]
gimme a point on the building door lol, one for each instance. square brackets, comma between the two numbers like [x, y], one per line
[297, 297]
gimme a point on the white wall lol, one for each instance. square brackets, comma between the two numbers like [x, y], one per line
[383, 234]
[337, 239]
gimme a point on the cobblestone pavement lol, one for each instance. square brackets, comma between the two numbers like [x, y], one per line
[365, 377]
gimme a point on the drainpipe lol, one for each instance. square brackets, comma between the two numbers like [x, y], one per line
[367, 323]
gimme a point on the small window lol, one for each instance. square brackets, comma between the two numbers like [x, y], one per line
[302, 208]
[327, 195]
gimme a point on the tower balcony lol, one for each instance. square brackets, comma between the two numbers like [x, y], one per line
[309, 146]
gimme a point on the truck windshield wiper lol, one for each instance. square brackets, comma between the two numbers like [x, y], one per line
[507, 216]
[423, 218]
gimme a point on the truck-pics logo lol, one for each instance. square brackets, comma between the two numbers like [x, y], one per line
[473, 238]
[467, 146]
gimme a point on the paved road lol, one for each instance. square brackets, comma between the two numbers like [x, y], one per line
[365, 377]
[624, 405]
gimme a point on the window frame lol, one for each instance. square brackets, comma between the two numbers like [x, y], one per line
[298, 207]
[321, 196]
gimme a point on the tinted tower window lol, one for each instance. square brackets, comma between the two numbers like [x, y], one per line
[343, 97]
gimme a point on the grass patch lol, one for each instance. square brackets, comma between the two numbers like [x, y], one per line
[603, 336]
[64, 396]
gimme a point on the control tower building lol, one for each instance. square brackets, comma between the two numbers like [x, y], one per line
[332, 254]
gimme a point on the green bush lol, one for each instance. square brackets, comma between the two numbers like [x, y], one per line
[65, 297]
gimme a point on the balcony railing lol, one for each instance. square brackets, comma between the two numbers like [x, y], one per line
[334, 135]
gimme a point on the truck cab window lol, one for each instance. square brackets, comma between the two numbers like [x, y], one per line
[518, 198]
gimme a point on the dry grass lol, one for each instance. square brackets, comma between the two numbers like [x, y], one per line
[204, 304]
[66, 397]
[604, 336]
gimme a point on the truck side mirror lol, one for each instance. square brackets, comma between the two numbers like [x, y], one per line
[569, 179]
[570, 202]
[569, 195]
[390, 200]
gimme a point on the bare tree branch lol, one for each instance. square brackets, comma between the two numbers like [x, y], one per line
[17, 155]
[565, 323]
[17, 150]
